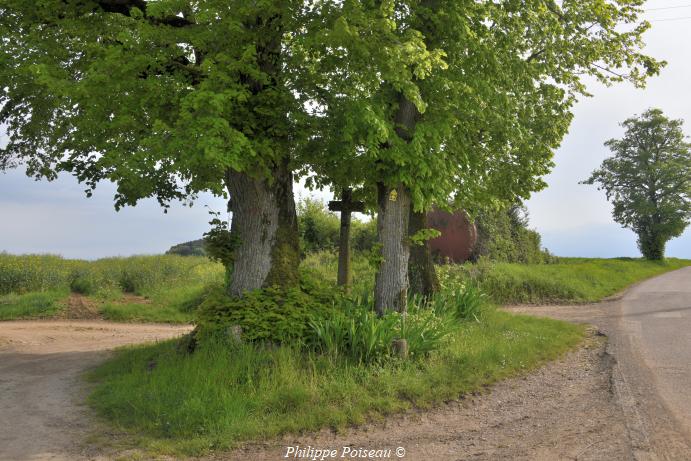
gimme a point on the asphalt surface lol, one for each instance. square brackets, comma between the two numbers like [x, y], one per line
[656, 316]
[649, 339]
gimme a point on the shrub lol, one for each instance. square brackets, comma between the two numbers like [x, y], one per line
[320, 229]
[503, 235]
[273, 315]
[83, 282]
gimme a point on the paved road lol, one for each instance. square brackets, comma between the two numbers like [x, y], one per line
[656, 317]
[649, 330]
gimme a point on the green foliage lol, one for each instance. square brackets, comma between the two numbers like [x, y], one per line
[482, 129]
[503, 236]
[460, 302]
[193, 248]
[358, 335]
[364, 235]
[31, 305]
[171, 284]
[324, 266]
[423, 235]
[220, 243]
[275, 315]
[568, 281]
[83, 281]
[171, 94]
[320, 229]
[224, 393]
[648, 180]
[22, 274]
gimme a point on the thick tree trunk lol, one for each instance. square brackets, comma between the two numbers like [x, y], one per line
[391, 284]
[391, 290]
[422, 275]
[265, 224]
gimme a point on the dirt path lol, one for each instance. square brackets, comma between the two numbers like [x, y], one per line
[42, 411]
[650, 336]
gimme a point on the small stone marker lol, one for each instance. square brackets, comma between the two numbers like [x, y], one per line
[346, 206]
[235, 333]
[400, 348]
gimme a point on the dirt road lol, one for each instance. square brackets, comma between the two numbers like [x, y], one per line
[42, 411]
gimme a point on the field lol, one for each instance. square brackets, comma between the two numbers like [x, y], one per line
[166, 288]
[139, 289]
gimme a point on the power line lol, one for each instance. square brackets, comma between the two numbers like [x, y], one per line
[668, 8]
[670, 19]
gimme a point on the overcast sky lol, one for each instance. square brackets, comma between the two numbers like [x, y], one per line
[574, 220]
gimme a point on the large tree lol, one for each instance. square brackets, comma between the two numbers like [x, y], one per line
[459, 102]
[165, 98]
[648, 180]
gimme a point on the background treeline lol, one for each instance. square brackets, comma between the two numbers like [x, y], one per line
[503, 235]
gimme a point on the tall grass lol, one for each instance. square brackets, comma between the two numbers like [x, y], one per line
[568, 280]
[36, 285]
[136, 274]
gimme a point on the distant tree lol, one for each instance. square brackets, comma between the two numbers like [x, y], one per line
[193, 248]
[649, 180]
[318, 226]
[504, 235]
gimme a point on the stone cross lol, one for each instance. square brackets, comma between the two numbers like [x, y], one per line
[346, 206]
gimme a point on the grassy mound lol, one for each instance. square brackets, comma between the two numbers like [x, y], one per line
[221, 395]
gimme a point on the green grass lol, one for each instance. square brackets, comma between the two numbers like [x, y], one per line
[136, 274]
[570, 280]
[36, 285]
[163, 305]
[31, 305]
[171, 402]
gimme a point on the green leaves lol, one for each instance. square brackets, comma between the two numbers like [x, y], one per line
[648, 180]
[164, 97]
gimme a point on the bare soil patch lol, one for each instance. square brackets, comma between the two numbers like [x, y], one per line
[42, 411]
[79, 307]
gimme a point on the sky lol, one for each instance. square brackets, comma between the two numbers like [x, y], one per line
[573, 219]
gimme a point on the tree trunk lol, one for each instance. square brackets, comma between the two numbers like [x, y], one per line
[422, 275]
[391, 283]
[391, 290]
[265, 224]
[652, 244]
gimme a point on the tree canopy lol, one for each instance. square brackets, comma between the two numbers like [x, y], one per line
[492, 84]
[414, 103]
[648, 180]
